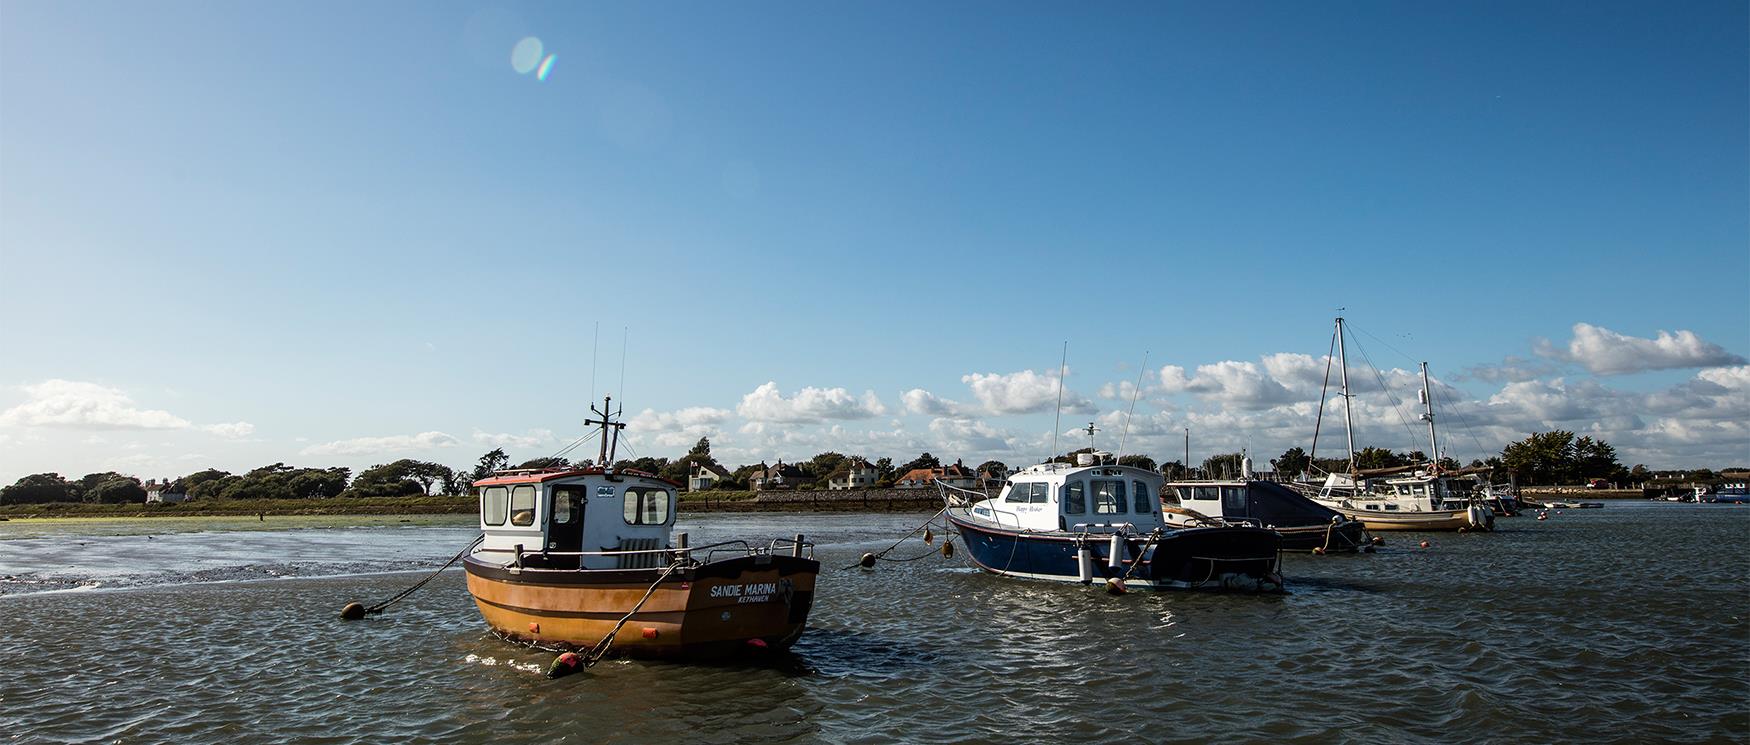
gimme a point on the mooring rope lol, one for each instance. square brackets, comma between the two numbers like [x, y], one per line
[355, 611]
[600, 649]
[869, 560]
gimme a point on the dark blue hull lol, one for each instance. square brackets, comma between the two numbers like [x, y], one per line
[1191, 558]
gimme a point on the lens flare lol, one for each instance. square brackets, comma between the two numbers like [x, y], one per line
[525, 55]
[546, 67]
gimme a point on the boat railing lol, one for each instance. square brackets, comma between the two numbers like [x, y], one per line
[1115, 527]
[798, 547]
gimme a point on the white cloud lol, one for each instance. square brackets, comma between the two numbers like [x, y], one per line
[233, 430]
[79, 405]
[809, 406]
[1606, 352]
[534, 438]
[1024, 392]
[681, 427]
[389, 444]
[920, 401]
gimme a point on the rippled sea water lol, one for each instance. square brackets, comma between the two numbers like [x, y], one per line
[1630, 623]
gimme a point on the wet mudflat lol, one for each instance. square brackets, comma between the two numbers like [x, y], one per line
[1630, 623]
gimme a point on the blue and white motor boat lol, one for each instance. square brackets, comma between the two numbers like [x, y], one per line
[1095, 520]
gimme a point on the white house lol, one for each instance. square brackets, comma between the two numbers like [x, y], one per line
[163, 492]
[705, 476]
[861, 475]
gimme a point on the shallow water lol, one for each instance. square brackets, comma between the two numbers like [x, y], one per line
[1630, 623]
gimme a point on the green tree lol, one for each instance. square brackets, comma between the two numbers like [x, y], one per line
[1372, 457]
[494, 460]
[1175, 471]
[39, 488]
[1225, 465]
[1294, 462]
[923, 461]
[194, 480]
[1542, 458]
[1140, 461]
[117, 491]
[1595, 459]
[547, 462]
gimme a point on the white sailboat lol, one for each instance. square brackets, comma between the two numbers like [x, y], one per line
[1419, 497]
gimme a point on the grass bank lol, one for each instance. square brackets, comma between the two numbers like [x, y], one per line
[250, 507]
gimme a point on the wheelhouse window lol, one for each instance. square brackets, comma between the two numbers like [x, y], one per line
[1108, 497]
[1038, 493]
[1075, 498]
[646, 505]
[492, 504]
[1233, 500]
[1140, 492]
[522, 505]
[1207, 493]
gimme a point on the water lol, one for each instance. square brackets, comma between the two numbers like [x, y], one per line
[1630, 623]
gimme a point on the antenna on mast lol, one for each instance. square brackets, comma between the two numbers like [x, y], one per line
[1091, 429]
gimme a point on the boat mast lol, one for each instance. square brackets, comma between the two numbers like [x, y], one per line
[1348, 419]
[1428, 416]
[606, 421]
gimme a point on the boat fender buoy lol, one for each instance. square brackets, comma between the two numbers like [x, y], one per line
[1378, 541]
[1543, 517]
[929, 536]
[1424, 544]
[352, 612]
[947, 548]
[867, 562]
[650, 633]
[1115, 586]
[757, 643]
[534, 628]
[565, 664]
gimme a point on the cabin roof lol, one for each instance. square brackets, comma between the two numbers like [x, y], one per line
[545, 475]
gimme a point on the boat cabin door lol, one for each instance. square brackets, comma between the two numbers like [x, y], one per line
[565, 524]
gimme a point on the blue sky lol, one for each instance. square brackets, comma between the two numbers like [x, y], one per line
[340, 234]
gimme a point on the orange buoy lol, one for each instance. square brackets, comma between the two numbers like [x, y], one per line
[1424, 544]
[534, 628]
[650, 633]
[1378, 541]
[1115, 586]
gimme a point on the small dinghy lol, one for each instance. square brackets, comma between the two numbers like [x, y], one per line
[1098, 521]
[581, 558]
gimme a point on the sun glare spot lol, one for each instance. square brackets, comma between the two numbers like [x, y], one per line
[546, 67]
[526, 55]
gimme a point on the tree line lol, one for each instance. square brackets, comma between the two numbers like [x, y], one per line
[1555, 457]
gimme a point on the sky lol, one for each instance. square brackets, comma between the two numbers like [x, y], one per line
[340, 234]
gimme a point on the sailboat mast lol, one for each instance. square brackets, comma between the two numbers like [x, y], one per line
[1348, 419]
[1428, 414]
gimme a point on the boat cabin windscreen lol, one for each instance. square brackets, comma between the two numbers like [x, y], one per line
[522, 505]
[1108, 497]
[1075, 498]
[1144, 498]
[494, 501]
[1028, 493]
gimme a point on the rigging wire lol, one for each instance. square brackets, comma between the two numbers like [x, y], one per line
[1388, 394]
[1057, 423]
[1324, 390]
[1132, 412]
[1444, 401]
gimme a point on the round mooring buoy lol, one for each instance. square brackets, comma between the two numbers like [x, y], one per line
[565, 664]
[1115, 586]
[929, 536]
[1425, 544]
[867, 562]
[1378, 541]
[947, 548]
[1318, 550]
[352, 612]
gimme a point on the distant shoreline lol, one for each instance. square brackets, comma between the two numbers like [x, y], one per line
[690, 503]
